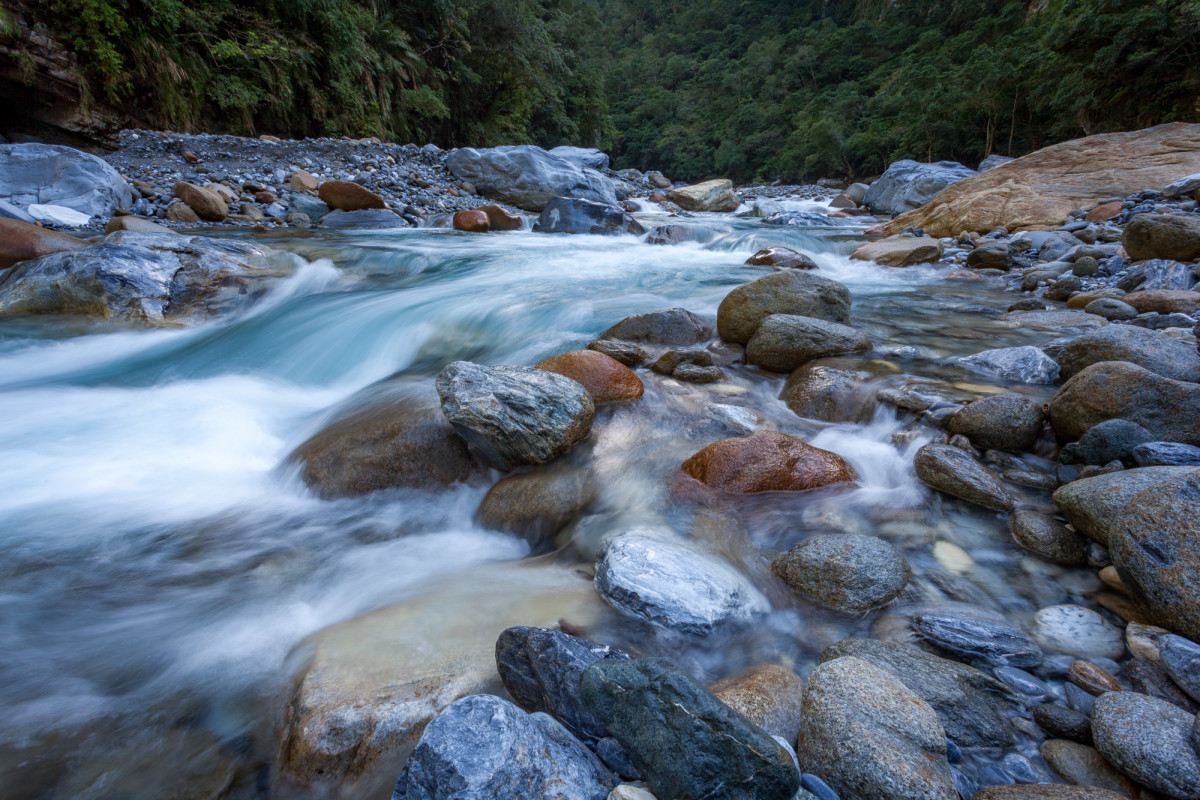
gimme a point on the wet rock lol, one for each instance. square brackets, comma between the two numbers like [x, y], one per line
[48, 174]
[1155, 546]
[1048, 538]
[537, 505]
[714, 195]
[528, 177]
[674, 326]
[784, 342]
[1092, 679]
[514, 415]
[1152, 680]
[1063, 722]
[364, 220]
[1025, 364]
[990, 255]
[471, 221]
[994, 642]
[605, 378]
[1007, 421]
[485, 748]
[781, 258]
[1092, 504]
[1169, 409]
[667, 234]
[845, 572]
[736, 418]
[1112, 440]
[785, 292]
[908, 185]
[900, 251]
[20, 241]
[1171, 236]
[1164, 301]
[1181, 660]
[669, 362]
[303, 181]
[627, 353]
[1081, 765]
[955, 472]
[540, 669]
[575, 215]
[180, 211]
[869, 736]
[766, 462]
[823, 392]
[661, 579]
[1111, 309]
[694, 373]
[768, 695]
[1165, 454]
[398, 440]
[685, 741]
[1059, 322]
[970, 704]
[207, 204]
[1157, 352]
[1148, 740]
[1077, 631]
[500, 219]
[1045, 792]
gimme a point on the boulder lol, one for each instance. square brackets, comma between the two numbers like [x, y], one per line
[20, 241]
[575, 215]
[781, 258]
[1164, 301]
[990, 255]
[1158, 274]
[667, 234]
[501, 220]
[1150, 741]
[955, 472]
[900, 251]
[768, 695]
[659, 578]
[528, 177]
[366, 688]
[1048, 538]
[1081, 765]
[820, 391]
[1111, 309]
[207, 204]
[397, 439]
[134, 224]
[845, 572]
[365, 220]
[674, 326]
[582, 157]
[349, 196]
[1157, 352]
[537, 505]
[1038, 191]
[784, 342]
[1111, 440]
[685, 741]
[1025, 364]
[471, 221]
[869, 736]
[141, 278]
[785, 292]
[907, 185]
[514, 415]
[485, 748]
[714, 195]
[766, 462]
[1183, 187]
[1007, 421]
[606, 379]
[1155, 546]
[1091, 505]
[1171, 236]
[47, 174]
[1118, 390]
[972, 706]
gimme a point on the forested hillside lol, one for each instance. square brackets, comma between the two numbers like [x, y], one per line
[752, 89]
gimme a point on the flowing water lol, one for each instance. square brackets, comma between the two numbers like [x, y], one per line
[159, 558]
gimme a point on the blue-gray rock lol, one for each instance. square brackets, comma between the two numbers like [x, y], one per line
[817, 787]
[1158, 273]
[1157, 322]
[1063, 722]
[1024, 364]
[528, 177]
[1078, 699]
[1157, 352]
[1111, 440]
[540, 668]
[869, 736]
[1021, 681]
[485, 748]
[313, 207]
[994, 160]
[1148, 740]
[661, 579]
[10, 211]
[673, 326]
[784, 342]
[364, 219]
[908, 185]
[804, 219]
[1111, 309]
[514, 415]
[1165, 454]
[688, 744]
[1057, 245]
[972, 706]
[574, 215]
[996, 643]
[582, 157]
[845, 572]
[955, 472]
[51, 174]
[1181, 660]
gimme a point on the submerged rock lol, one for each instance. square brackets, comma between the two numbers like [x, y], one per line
[994, 642]
[953, 471]
[846, 572]
[784, 342]
[766, 462]
[781, 258]
[823, 392]
[1077, 631]
[1025, 364]
[1048, 538]
[785, 292]
[1150, 741]
[1083, 766]
[537, 505]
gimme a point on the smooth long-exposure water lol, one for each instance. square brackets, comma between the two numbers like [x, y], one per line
[159, 558]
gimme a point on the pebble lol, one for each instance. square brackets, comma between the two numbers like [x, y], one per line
[1077, 631]
[1181, 660]
[1078, 699]
[1110, 576]
[1063, 722]
[953, 558]
[1023, 682]
[1092, 679]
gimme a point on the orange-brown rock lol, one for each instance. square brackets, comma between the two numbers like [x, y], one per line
[135, 224]
[349, 196]
[1037, 191]
[303, 181]
[207, 204]
[265, 197]
[606, 379]
[1164, 301]
[1104, 211]
[180, 211]
[766, 462]
[190, 157]
[769, 694]
[900, 251]
[473, 221]
[1080, 300]
[501, 220]
[20, 241]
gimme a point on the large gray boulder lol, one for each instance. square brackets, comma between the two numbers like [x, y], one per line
[1168, 409]
[1008, 421]
[573, 215]
[514, 415]
[845, 572]
[784, 292]
[908, 185]
[1157, 352]
[582, 157]
[142, 278]
[784, 342]
[51, 174]
[485, 748]
[528, 177]
[1091, 505]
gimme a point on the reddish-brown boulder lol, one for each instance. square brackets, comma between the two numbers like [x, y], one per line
[606, 379]
[266, 197]
[1104, 211]
[349, 196]
[1164, 301]
[501, 220]
[20, 241]
[473, 221]
[180, 211]
[766, 462]
[207, 204]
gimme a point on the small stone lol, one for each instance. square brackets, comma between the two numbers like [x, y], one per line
[845, 572]
[472, 221]
[1142, 640]
[627, 353]
[1066, 723]
[948, 469]
[1092, 679]
[207, 204]
[1077, 631]
[1112, 578]
[1048, 538]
